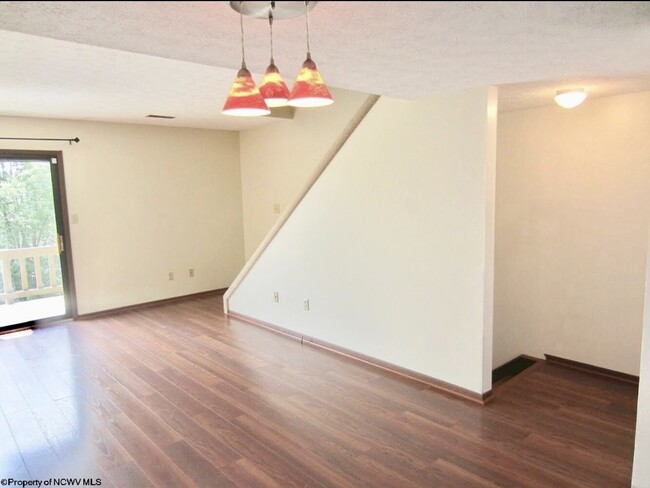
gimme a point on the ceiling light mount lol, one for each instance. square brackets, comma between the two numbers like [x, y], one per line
[280, 10]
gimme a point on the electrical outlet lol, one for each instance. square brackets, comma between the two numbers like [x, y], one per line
[307, 305]
[191, 272]
[171, 276]
[276, 297]
[276, 208]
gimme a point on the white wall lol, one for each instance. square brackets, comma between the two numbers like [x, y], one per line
[277, 160]
[390, 244]
[573, 202]
[641, 471]
[149, 200]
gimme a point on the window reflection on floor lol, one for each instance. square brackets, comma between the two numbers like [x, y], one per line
[43, 429]
[36, 309]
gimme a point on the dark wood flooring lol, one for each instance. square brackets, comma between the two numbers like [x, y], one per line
[179, 395]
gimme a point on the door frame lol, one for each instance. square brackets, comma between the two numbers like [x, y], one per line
[62, 220]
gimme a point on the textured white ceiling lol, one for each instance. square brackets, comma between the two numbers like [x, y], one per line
[56, 79]
[181, 57]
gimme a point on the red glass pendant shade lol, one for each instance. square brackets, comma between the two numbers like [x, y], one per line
[309, 89]
[273, 88]
[245, 99]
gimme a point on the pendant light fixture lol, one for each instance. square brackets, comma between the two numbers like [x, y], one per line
[309, 89]
[244, 99]
[273, 88]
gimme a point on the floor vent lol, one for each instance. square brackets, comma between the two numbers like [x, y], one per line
[511, 369]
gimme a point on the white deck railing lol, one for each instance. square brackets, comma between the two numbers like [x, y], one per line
[22, 255]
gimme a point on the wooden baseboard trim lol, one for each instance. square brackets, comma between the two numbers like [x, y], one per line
[155, 303]
[434, 383]
[532, 358]
[569, 363]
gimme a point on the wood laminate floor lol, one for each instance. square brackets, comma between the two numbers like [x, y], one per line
[181, 396]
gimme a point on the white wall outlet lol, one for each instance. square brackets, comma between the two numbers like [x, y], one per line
[307, 305]
[276, 297]
[191, 272]
[171, 276]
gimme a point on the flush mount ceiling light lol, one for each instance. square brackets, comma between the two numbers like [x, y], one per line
[570, 98]
[309, 89]
[244, 99]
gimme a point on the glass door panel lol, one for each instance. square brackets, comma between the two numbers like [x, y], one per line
[32, 279]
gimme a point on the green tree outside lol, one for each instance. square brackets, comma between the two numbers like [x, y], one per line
[27, 217]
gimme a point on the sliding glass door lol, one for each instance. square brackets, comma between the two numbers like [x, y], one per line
[34, 268]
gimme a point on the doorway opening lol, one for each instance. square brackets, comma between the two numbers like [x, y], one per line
[36, 280]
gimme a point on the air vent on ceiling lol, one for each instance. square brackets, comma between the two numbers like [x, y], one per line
[154, 116]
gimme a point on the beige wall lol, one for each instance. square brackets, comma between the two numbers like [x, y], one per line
[389, 245]
[149, 200]
[573, 203]
[641, 471]
[278, 159]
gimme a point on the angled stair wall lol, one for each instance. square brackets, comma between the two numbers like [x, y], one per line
[392, 243]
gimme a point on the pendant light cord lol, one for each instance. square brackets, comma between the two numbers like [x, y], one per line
[307, 21]
[271, 28]
[241, 27]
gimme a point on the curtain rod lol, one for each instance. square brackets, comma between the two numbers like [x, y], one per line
[70, 141]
